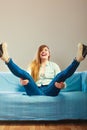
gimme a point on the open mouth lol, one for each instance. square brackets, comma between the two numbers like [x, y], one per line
[44, 54]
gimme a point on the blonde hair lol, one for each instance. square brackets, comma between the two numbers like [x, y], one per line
[35, 64]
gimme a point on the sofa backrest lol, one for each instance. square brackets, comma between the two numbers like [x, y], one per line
[74, 83]
[10, 83]
[84, 81]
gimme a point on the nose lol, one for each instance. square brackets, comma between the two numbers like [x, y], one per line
[43, 51]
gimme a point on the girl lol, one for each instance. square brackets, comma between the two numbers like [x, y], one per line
[44, 77]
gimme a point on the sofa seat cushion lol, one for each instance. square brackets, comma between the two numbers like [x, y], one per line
[67, 105]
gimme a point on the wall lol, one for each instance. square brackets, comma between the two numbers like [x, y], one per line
[26, 24]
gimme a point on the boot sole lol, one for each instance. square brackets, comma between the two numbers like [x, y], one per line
[1, 50]
[84, 53]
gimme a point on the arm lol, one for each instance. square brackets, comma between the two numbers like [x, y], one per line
[24, 82]
[60, 85]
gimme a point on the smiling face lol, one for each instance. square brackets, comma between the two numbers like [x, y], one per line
[44, 54]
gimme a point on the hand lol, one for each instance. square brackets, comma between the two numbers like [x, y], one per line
[60, 85]
[24, 81]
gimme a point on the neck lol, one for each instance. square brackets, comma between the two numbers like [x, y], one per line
[43, 62]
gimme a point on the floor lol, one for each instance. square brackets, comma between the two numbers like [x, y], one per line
[59, 125]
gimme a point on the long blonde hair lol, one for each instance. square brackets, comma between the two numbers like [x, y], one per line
[35, 64]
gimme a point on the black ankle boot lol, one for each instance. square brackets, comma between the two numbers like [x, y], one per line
[1, 51]
[84, 53]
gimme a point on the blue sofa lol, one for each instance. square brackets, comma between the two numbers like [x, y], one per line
[71, 103]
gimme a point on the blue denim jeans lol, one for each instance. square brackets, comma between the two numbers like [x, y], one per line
[50, 90]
